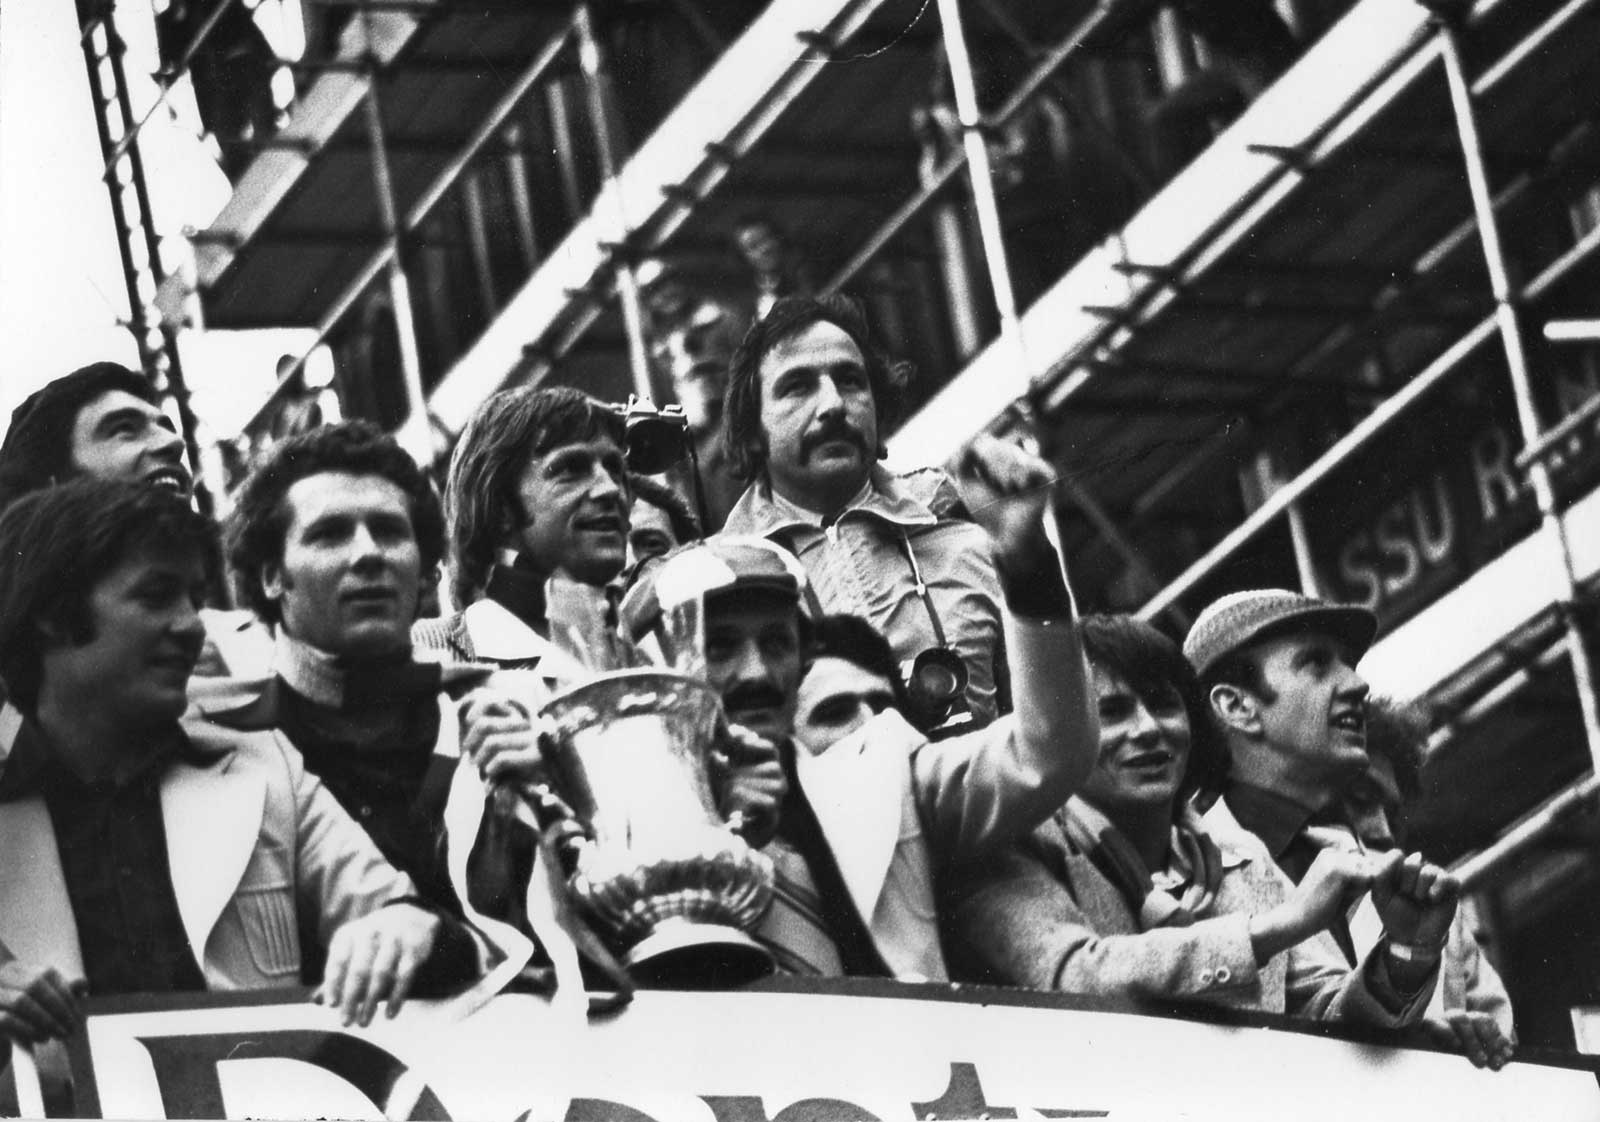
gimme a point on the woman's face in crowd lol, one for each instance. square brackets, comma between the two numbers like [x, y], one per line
[1144, 746]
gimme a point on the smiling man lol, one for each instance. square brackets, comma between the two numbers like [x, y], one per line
[1126, 891]
[1277, 671]
[150, 851]
[537, 489]
[102, 421]
[810, 401]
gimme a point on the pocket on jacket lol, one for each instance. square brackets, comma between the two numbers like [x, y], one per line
[267, 915]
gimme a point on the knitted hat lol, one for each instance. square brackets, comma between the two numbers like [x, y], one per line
[720, 563]
[1229, 624]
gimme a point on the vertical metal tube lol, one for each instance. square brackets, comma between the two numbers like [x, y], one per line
[1552, 525]
[415, 433]
[521, 194]
[1303, 559]
[981, 177]
[622, 262]
[478, 241]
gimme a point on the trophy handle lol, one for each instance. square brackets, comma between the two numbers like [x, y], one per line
[558, 822]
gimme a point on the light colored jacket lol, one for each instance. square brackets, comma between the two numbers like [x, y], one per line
[858, 565]
[253, 843]
[897, 810]
[1042, 915]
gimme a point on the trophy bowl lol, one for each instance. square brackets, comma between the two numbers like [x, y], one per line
[668, 882]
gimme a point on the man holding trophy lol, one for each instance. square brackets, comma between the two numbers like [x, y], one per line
[876, 818]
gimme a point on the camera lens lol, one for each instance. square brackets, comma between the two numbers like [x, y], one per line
[935, 680]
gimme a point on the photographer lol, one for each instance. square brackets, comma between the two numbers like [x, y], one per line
[809, 399]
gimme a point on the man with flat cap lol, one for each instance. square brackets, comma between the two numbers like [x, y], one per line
[1277, 674]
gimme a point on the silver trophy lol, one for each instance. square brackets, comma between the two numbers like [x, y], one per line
[657, 869]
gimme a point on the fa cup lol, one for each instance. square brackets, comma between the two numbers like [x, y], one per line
[658, 870]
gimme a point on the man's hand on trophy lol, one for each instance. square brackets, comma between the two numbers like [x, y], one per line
[746, 771]
[500, 737]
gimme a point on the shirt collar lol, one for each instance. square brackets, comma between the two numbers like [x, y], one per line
[885, 496]
[1274, 818]
[515, 586]
[32, 765]
[334, 682]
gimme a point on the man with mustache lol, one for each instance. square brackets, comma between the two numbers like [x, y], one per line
[148, 851]
[875, 812]
[810, 399]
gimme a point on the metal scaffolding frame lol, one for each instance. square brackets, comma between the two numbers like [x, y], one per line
[124, 176]
[1538, 440]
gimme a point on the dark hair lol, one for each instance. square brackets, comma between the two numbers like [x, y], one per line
[1397, 731]
[508, 430]
[857, 641]
[1241, 669]
[58, 543]
[38, 445]
[741, 414]
[260, 520]
[685, 526]
[1152, 663]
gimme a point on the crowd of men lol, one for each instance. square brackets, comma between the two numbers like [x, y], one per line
[955, 774]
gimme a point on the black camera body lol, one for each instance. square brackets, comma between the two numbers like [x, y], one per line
[935, 683]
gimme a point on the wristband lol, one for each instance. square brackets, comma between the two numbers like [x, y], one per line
[1413, 952]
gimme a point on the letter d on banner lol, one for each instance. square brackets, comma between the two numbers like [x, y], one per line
[186, 1070]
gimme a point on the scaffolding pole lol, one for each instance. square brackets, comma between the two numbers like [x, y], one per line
[157, 341]
[415, 434]
[436, 190]
[622, 247]
[975, 147]
[1510, 329]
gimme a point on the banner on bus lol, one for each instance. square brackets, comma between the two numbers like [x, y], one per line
[779, 1057]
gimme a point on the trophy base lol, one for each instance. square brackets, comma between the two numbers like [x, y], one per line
[684, 955]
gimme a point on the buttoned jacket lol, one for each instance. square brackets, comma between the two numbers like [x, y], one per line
[1042, 915]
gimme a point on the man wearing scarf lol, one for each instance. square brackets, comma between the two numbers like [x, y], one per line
[1125, 890]
[328, 544]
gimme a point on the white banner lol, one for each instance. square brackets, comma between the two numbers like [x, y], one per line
[828, 1056]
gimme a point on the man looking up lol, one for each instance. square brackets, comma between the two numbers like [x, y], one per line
[1124, 890]
[854, 902]
[102, 421]
[1277, 674]
[147, 852]
[810, 400]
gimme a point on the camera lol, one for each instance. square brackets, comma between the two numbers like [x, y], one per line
[653, 439]
[936, 692]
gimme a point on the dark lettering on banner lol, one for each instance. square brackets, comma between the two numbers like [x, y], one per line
[749, 1108]
[600, 1110]
[191, 1087]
